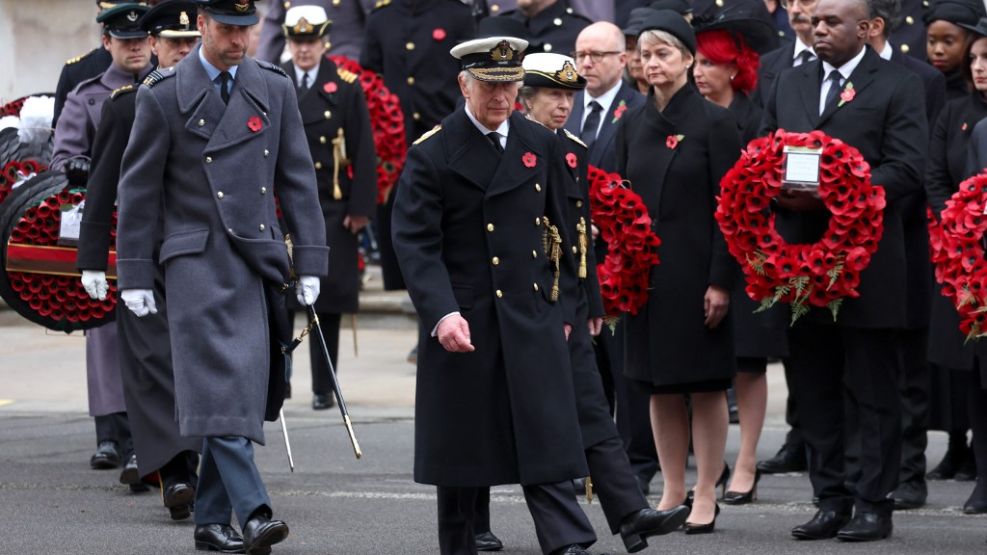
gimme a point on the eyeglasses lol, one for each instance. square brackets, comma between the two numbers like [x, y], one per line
[804, 4]
[594, 56]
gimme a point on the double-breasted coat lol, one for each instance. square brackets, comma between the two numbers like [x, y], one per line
[345, 35]
[213, 171]
[334, 103]
[469, 233]
[667, 343]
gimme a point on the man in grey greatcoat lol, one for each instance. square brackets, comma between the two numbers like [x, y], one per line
[211, 140]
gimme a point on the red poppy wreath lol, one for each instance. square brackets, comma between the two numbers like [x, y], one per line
[387, 122]
[820, 274]
[632, 246]
[957, 250]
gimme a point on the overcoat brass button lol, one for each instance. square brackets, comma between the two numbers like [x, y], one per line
[538, 221]
[322, 139]
[535, 286]
[266, 153]
[579, 204]
[575, 249]
[495, 261]
[327, 114]
[905, 48]
[261, 227]
[263, 190]
[557, 21]
[490, 227]
[538, 187]
[220, 194]
[318, 165]
[910, 20]
[534, 254]
[416, 116]
[411, 80]
[499, 293]
[409, 45]
[202, 122]
[209, 159]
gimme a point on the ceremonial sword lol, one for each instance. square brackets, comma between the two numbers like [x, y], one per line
[314, 323]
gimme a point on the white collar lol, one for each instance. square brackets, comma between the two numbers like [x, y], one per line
[846, 70]
[887, 51]
[502, 129]
[800, 47]
[604, 100]
[312, 73]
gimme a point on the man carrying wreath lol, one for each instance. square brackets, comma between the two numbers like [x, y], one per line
[850, 93]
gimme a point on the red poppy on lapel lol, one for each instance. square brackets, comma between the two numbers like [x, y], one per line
[964, 127]
[330, 87]
[570, 158]
[529, 159]
[848, 94]
[672, 141]
[254, 124]
[618, 112]
[439, 34]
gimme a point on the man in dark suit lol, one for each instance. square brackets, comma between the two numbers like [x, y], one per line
[337, 126]
[211, 140]
[791, 54]
[914, 379]
[601, 59]
[479, 230]
[860, 355]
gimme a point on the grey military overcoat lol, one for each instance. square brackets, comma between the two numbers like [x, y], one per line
[213, 170]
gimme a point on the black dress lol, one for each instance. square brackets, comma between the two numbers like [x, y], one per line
[668, 348]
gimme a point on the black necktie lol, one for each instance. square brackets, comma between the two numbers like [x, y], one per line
[834, 89]
[588, 133]
[805, 57]
[494, 138]
[224, 86]
[304, 86]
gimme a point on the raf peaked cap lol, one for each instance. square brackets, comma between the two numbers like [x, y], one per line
[172, 19]
[123, 20]
[231, 12]
[306, 22]
[492, 58]
[672, 23]
[552, 70]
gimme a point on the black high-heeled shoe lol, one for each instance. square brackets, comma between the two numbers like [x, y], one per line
[707, 528]
[743, 497]
[721, 483]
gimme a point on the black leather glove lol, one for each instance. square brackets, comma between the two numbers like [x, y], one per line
[77, 171]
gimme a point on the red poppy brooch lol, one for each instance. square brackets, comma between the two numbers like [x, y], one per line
[255, 124]
[330, 87]
[848, 94]
[529, 159]
[571, 159]
[672, 141]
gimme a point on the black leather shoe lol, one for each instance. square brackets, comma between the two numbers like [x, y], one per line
[178, 499]
[218, 537]
[574, 550]
[260, 533]
[743, 497]
[956, 454]
[130, 475]
[824, 525]
[321, 401]
[788, 459]
[105, 457]
[866, 527]
[910, 495]
[487, 541]
[967, 471]
[977, 503]
[637, 527]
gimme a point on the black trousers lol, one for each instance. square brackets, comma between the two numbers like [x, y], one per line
[115, 427]
[831, 366]
[914, 385]
[320, 369]
[559, 522]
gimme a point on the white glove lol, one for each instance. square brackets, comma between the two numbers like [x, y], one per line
[95, 284]
[139, 301]
[307, 290]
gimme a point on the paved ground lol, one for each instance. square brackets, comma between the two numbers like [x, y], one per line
[51, 502]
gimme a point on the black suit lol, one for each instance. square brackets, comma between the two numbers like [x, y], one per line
[886, 122]
[602, 152]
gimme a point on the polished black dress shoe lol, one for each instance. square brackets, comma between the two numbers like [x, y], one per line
[130, 475]
[638, 526]
[487, 541]
[956, 455]
[788, 459]
[105, 457]
[321, 401]
[218, 537]
[574, 550]
[260, 533]
[178, 499]
[977, 503]
[910, 495]
[823, 526]
[743, 497]
[708, 528]
[866, 527]
[967, 471]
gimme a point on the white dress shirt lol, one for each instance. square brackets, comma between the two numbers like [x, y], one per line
[300, 73]
[845, 71]
[799, 48]
[604, 100]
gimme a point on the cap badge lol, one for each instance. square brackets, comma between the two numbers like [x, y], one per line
[567, 74]
[183, 20]
[241, 5]
[502, 52]
[132, 16]
[303, 26]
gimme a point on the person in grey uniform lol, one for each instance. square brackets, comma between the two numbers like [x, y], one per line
[211, 141]
[128, 45]
[347, 19]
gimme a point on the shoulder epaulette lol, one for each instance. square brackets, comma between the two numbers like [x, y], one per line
[122, 90]
[426, 135]
[381, 3]
[574, 138]
[346, 75]
[78, 58]
[272, 67]
[156, 77]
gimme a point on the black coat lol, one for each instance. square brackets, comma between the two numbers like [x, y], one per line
[763, 334]
[667, 343]
[77, 70]
[468, 233]
[909, 36]
[553, 29]
[603, 151]
[948, 153]
[772, 64]
[886, 122]
[324, 114]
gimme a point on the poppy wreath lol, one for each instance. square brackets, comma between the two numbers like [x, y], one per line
[632, 246]
[16, 171]
[821, 274]
[957, 249]
[387, 122]
[13, 107]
